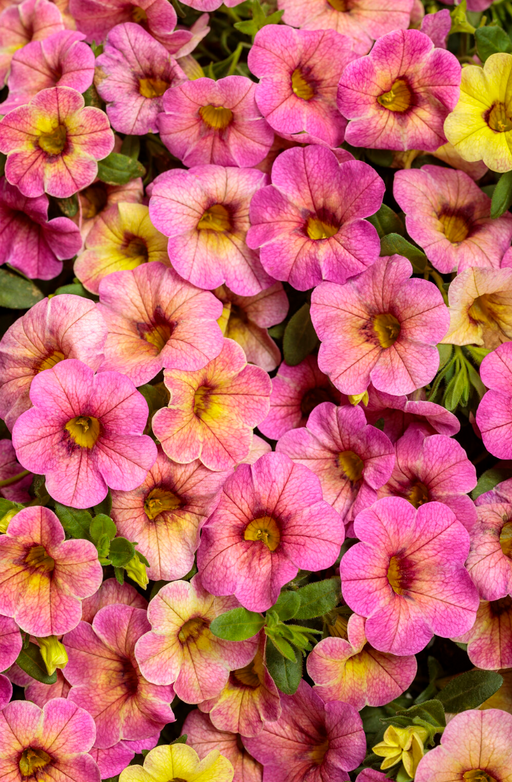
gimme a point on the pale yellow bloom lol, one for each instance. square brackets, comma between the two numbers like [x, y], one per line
[179, 762]
[53, 653]
[402, 745]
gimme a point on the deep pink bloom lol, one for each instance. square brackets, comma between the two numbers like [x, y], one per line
[111, 592]
[210, 5]
[33, 20]
[437, 26]
[399, 412]
[489, 561]
[494, 413]
[9, 467]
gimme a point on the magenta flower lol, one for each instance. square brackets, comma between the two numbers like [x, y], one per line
[489, 561]
[407, 575]
[399, 95]
[84, 433]
[204, 737]
[182, 650]
[450, 217]
[132, 75]
[296, 391]
[30, 242]
[381, 327]
[9, 467]
[213, 411]
[437, 26]
[52, 742]
[494, 413]
[349, 670]
[271, 520]
[166, 512]
[399, 412]
[299, 71]
[205, 214]
[309, 223]
[207, 121]
[351, 459]
[64, 326]
[111, 592]
[489, 642]
[32, 20]
[210, 5]
[113, 760]
[157, 320]
[312, 740]
[42, 575]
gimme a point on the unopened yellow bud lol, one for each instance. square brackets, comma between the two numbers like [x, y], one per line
[354, 399]
[405, 745]
[136, 570]
[53, 653]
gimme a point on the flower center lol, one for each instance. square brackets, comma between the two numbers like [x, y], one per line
[94, 199]
[418, 495]
[50, 360]
[497, 118]
[301, 87]
[216, 218]
[264, 529]
[158, 332]
[32, 760]
[84, 430]
[314, 397]
[139, 15]
[399, 98]
[455, 227]
[160, 500]
[481, 311]
[320, 229]
[399, 575]
[477, 776]
[351, 465]
[192, 629]
[340, 5]
[53, 143]
[152, 87]
[129, 676]
[387, 328]
[319, 752]
[38, 558]
[201, 400]
[135, 248]
[506, 539]
[216, 117]
[499, 607]
[251, 675]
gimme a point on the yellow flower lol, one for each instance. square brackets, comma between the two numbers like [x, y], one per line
[136, 570]
[179, 763]
[402, 745]
[53, 653]
[480, 126]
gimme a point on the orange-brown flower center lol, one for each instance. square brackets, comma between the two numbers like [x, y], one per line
[499, 607]
[477, 775]
[193, 629]
[506, 539]
[351, 465]
[139, 15]
[135, 248]
[387, 329]
[251, 675]
[301, 86]
[418, 494]
[51, 359]
[400, 575]
[314, 397]
[497, 118]
[318, 229]
[340, 5]
[455, 227]
[216, 117]
[84, 430]
[53, 142]
[399, 98]
[38, 558]
[216, 218]
[94, 199]
[264, 529]
[202, 400]
[32, 761]
[319, 752]
[160, 500]
[152, 87]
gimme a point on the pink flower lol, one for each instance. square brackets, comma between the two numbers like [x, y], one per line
[113, 760]
[400, 94]
[271, 520]
[64, 326]
[157, 320]
[111, 592]
[84, 433]
[490, 639]
[205, 214]
[166, 512]
[399, 412]
[207, 121]
[407, 575]
[309, 223]
[182, 650]
[33, 20]
[10, 642]
[312, 740]
[54, 142]
[437, 26]
[489, 561]
[213, 410]
[449, 216]
[39, 693]
[94, 200]
[52, 742]
[351, 459]
[42, 575]
[349, 670]
[381, 327]
[210, 5]
[106, 680]
[132, 75]
[494, 413]
[299, 71]
[9, 467]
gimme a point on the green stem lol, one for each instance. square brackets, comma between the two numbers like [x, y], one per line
[236, 57]
[14, 479]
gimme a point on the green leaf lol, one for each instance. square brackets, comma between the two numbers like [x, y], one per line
[394, 243]
[502, 196]
[386, 222]
[102, 525]
[277, 332]
[119, 574]
[68, 206]
[156, 396]
[379, 157]
[456, 389]
[31, 661]
[75, 522]
[239, 624]
[469, 690]
[131, 147]
[491, 40]
[282, 645]
[76, 288]
[91, 96]
[286, 674]
[105, 506]
[460, 22]
[445, 354]
[287, 605]
[117, 169]
[121, 552]
[489, 479]
[7, 505]
[318, 598]
[299, 338]
[430, 711]
[17, 293]
[179, 740]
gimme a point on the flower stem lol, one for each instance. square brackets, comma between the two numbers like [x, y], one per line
[14, 479]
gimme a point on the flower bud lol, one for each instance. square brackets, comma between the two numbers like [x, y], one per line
[402, 745]
[53, 653]
[136, 570]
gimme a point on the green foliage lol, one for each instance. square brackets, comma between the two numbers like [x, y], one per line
[68, 206]
[76, 523]
[491, 40]
[387, 222]
[102, 531]
[76, 288]
[394, 243]
[31, 661]
[469, 690]
[237, 624]
[502, 196]
[300, 337]
[285, 673]
[318, 598]
[17, 293]
[287, 605]
[489, 479]
[117, 169]
[121, 552]
[259, 19]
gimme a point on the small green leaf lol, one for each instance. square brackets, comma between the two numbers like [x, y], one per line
[431, 711]
[491, 40]
[7, 505]
[489, 479]
[117, 169]
[445, 354]
[91, 96]
[180, 740]
[318, 598]
[286, 674]
[386, 222]
[469, 690]
[75, 522]
[131, 147]
[121, 552]
[502, 196]
[277, 332]
[76, 288]
[456, 388]
[287, 605]
[102, 525]
[282, 645]
[68, 206]
[17, 293]
[119, 574]
[299, 338]
[395, 244]
[31, 661]
[239, 624]
[105, 506]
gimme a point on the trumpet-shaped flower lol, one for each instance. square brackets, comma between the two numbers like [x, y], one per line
[381, 327]
[489, 561]
[213, 410]
[489, 642]
[42, 575]
[157, 320]
[494, 413]
[271, 520]
[182, 650]
[84, 433]
[309, 222]
[183, 763]
[399, 412]
[203, 736]
[111, 592]
[399, 95]
[32, 20]
[9, 467]
[205, 214]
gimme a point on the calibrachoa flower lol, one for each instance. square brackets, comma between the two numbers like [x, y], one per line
[271, 520]
[490, 639]
[489, 561]
[122, 238]
[308, 222]
[32, 20]
[449, 216]
[54, 142]
[182, 650]
[183, 763]
[437, 26]
[494, 413]
[475, 745]
[132, 74]
[37, 692]
[98, 197]
[205, 214]
[407, 575]
[111, 592]
[42, 575]
[351, 459]
[106, 681]
[5, 691]
[203, 737]
[113, 760]
[312, 740]
[212, 411]
[398, 96]
[381, 328]
[30, 242]
[9, 467]
[349, 670]
[84, 433]
[399, 412]
[166, 512]
[207, 121]
[10, 642]
[50, 743]
[155, 319]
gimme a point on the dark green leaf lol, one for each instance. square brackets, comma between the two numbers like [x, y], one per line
[286, 674]
[489, 479]
[287, 605]
[277, 332]
[119, 574]
[299, 338]
[131, 147]
[318, 598]
[394, 243]
[491, 40]
[237, 624]
[6, 506]
[502, 196]
[75, 522]
[282, 645]
[17, 293]
[379, 157]
[469, 690]
[30, 661]
[456, 388]
[430, 711]
[156, 396]
[68, 206]
[180, 740]
[386, 222]
[117, 169]
[121, 552]
[102, 525]
[91, 96]
[105, 506]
